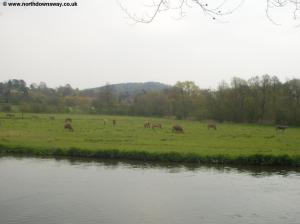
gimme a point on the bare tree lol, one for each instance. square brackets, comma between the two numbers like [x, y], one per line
[273, 4]
[215, 10]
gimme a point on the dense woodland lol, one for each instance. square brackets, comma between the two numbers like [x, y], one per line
[263, 99]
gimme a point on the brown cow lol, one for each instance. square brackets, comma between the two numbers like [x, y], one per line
[281, 127]
[68, 120]
[147, 124]
[177, 128]
[213, 126]
[156, 126]
[68, 126]
[114, 122]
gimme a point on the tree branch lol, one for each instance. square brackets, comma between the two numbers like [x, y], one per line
[224, 8]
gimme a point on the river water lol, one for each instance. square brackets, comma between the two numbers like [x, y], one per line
[51, 191]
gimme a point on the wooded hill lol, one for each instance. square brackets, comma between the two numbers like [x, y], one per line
[128, 89]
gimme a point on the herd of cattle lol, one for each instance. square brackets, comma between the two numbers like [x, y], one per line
[175, 128]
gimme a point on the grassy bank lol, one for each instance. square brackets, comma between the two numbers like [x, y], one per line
[230, 144]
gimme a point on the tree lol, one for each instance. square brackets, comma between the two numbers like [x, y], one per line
[292, 89]
[185, 99]
[152, 104]
[65, 90]
[106, 100]
[214, 9]
[239, 91]
[259, 99]
[13, 91]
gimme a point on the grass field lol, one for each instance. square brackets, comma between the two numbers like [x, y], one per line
[231, 143]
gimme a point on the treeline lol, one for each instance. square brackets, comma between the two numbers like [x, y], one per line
[261, 99]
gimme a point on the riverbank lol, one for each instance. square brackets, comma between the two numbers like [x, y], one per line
[230, 144]
[256, 159]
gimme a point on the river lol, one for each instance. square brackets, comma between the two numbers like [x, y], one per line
[62, 191]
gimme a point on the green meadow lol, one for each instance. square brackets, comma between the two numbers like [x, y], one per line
[37, 134]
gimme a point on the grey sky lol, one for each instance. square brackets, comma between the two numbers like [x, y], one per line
[93, 43]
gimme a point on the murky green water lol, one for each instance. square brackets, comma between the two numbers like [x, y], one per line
[49, 191]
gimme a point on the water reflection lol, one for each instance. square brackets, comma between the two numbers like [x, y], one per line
[256, 171]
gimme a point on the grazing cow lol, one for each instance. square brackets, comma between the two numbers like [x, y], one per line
[213, 126]
[156, 126]
[114, 122]
[147, 124]
[68, 120]
[68, 126]
[177, 128]
[281, 127]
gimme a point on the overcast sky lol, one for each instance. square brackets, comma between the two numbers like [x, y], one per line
[94, 43]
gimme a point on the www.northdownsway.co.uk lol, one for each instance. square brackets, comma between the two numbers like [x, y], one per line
[40, 4]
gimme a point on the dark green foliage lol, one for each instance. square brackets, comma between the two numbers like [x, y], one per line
[263, 100]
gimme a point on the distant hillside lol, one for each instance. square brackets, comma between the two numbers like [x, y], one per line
[131, 89]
